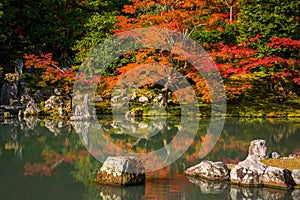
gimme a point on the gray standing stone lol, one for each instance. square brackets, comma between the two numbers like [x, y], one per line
[209, 170]
[238, 193]
[121, 171]
[251, 170]
[84, 111]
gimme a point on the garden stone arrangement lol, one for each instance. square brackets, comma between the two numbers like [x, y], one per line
[250, 172]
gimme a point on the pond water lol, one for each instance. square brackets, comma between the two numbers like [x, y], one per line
[48, 159]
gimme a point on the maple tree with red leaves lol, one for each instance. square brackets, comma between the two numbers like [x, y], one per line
[241, 66]
[48, 72]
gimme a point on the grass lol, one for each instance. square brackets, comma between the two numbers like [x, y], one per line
[288, 163]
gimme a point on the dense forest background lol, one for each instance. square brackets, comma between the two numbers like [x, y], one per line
[255, 45]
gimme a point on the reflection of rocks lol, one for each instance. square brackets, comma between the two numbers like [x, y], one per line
[135, 113]
[121, 193]
[209, 170]
[55, 126]
[84, 111]
[31, 122]
[237, 193]
[82, 129]
[121, 171]
[296, 194]
[7, 115]
[210, 187]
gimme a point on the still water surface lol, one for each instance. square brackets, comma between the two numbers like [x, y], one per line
[47, 159]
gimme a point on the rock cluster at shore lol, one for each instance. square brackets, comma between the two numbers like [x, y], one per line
[250, 172]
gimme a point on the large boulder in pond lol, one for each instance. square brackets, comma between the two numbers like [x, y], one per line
[209, 170]
[121, 171]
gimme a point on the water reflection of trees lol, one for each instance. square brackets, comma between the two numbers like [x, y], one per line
[44, 145]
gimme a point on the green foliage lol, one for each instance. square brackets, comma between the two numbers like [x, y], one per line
[97, 29]
[51, 26]
[278, 18]
[1, 12]
[228, 35]
[85, 169]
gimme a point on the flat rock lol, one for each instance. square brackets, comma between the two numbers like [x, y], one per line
[209, 170]
[121, 171]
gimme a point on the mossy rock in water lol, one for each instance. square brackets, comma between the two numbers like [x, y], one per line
[121, 171]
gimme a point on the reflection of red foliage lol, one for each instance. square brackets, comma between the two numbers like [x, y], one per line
[52, 161]
[167, 188]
